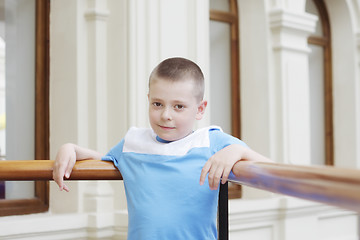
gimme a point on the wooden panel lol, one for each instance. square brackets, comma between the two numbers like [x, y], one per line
[22, 206]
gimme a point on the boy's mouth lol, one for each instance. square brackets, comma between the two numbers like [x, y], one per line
[166, 128]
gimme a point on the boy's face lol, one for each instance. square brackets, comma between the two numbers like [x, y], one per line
[173, 108]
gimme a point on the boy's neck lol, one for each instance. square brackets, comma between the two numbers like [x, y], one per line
[159, 139]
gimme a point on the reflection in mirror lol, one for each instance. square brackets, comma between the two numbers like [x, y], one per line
[2, 93]
[17, 89]
[220, 5]
[220, 75]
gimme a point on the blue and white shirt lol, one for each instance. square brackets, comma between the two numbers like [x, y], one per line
[165, 199]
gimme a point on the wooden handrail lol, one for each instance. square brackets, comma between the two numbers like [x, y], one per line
[329, 185]
[26, 170]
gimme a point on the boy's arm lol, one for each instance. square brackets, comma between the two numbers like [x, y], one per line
[251, 156]
[222, 162]
[65, 160]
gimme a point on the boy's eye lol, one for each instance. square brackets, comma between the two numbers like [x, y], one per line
[157, 104]
[179, 106]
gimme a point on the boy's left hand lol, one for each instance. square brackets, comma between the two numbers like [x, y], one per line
[220, 165]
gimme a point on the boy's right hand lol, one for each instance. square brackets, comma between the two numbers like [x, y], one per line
[64, 163]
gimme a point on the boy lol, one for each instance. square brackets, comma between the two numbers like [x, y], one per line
[161, 166]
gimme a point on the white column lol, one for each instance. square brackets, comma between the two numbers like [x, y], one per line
[96, 16]
[79, 103]
[255, 69]
[157, 30]
[289, 93]
[2, 98]
[140, 21]
[64, 77]
[98, 202]
[357, 160]
[99, 197]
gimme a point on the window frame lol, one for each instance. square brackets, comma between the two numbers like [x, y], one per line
[232, 18]
[40, 203]
[325, 42]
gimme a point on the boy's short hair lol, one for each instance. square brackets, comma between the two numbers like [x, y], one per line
[177, 69]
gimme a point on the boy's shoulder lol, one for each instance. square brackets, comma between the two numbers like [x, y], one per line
[220, 139]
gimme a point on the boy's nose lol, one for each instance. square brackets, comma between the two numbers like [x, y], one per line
[166, 115]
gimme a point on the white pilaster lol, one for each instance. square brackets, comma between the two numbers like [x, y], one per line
[139, 21]
[357, 163]
[2, 98]
[297, 6]
[64, 113]
[99, 204]
[289, 93]
[159, 30]
[98, 197]
[96, 16]
[79, 103]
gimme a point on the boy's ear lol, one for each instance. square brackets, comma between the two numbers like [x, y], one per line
[201, 110]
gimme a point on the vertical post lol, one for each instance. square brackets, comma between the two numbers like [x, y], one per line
[2, 190]
[223, 216]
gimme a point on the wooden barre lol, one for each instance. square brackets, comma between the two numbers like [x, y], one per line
[27, 170]
[329, 185]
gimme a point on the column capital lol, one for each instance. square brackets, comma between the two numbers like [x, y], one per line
[97, 10]
[96, 15]
[291, 29]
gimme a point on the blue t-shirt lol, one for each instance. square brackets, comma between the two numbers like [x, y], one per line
[165, 199]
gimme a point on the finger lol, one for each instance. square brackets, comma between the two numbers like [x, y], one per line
[225, 175]
[204, 172]
[215, 178]
[70, 166]
[66, 188]
[58, 175]
[60, 184]
[211, 176]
